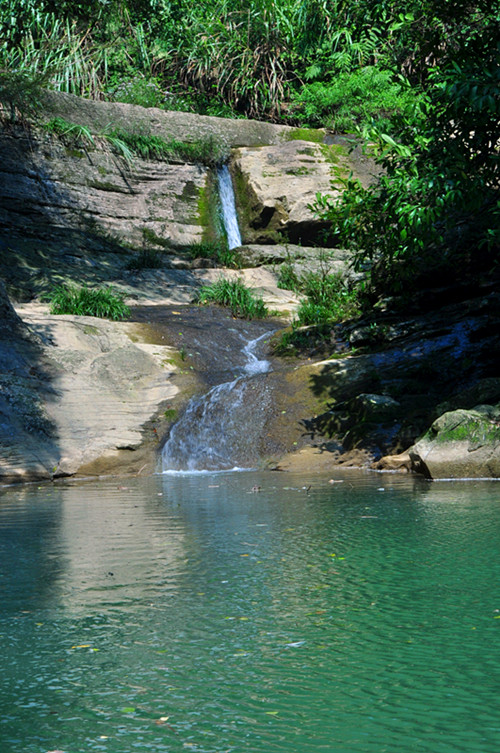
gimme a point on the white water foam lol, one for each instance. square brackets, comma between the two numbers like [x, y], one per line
[228, 206]
[253, 364]
[221, 430]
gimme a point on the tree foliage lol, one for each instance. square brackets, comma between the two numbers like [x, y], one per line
[419, 78]
[434, 213]
[221, 56]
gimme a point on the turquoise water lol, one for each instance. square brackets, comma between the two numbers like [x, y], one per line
[182, 613]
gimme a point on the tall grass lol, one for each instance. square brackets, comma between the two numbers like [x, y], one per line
[218, 57]
[242, 54]
[83, 301]
[57, 49]
[235, 295]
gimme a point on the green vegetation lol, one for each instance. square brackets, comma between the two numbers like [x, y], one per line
[83, 301]
[234, 294]
[433, 215]
[480, 430]
[20, 94]
[207, 151]
[328, 296]
[366, 95]
[72, 132]
[217, 251]
[328, 299]
[418, 82]
[261, 58]
[306, 134]
[128, 144]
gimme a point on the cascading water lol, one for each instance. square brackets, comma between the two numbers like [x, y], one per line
[228, 206]
[222, 429]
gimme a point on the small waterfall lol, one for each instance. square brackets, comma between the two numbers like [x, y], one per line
[228, 205]
[222, 429]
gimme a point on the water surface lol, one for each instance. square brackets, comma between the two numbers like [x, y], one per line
[191, 613]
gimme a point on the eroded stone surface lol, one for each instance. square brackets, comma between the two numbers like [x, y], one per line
[47, 189]
[183, 126]
[82, 391]
[275, 186]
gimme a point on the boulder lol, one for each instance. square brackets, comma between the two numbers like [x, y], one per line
[302, 259]
[78, 396]
[276, 185]
[460, 444]
[372, 407]
[394, 463]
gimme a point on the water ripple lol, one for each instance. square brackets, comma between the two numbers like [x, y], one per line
[183, 613]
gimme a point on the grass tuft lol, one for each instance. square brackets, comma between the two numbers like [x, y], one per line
[234, 294]
[209, 151]
[83, 301]
[217, 251]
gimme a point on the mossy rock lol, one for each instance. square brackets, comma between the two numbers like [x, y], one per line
[461, 444]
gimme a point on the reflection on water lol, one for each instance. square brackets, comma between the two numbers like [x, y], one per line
[189, 612]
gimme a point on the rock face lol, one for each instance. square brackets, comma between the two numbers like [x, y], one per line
[76, 394]
[86, 395]
[461, 444]
[68, 206]
[49, 190]
[183, 126]
[276, 184]
[385, 393]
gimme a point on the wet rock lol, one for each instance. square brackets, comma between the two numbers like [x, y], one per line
[395, 463]
[460, 444]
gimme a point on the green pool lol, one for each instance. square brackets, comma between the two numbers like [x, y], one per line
[190, 613]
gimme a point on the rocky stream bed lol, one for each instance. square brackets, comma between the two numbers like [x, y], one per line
[413, 390]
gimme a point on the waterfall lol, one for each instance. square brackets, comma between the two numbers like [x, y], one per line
[222, 430]
[228, 205]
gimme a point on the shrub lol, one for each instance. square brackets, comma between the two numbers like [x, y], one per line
[83, 301]
[20, 94]
[140, 90]
[234, 294]
[329, 299]
[352, 99]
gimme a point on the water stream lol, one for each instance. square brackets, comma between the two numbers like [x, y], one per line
[222, 429]
[228, 206]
